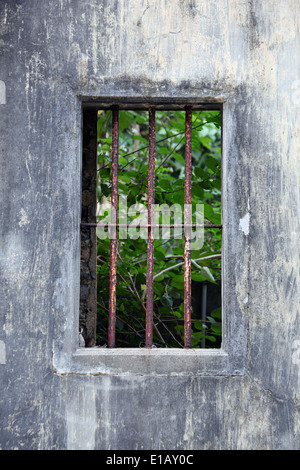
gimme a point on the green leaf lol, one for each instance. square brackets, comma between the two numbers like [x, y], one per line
[139, 137]
[125, 178]
[141, 278]
[178, 157]
[216, 119]
[122, 161]
[200, 173]
[141, 119]
[216, 328]
[198, 324]
[135, 190]
[105, 189]
[205, 141]
[165, 184]
[159, 253]
[205, 184]
[125, 119]
[208, 211]
[167, 301]
[207, 274]
[119, 324]
[177, 313]
[178, 282]
[105, 173]
[217, 313]
[211, 338]
[197, 191]
[216, 183]
[107, 141]
[123, 187]
[163, 151]
[212, 163]
[158, 289]
[198, 277]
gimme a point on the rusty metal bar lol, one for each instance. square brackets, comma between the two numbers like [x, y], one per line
[187, 229]
[150, 244]
[113, 241]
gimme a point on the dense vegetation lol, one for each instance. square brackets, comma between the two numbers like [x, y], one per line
[169, 189]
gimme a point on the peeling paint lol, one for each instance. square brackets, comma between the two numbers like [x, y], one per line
[81, 419]
[24, 220]
[2, 352]
[245, 224]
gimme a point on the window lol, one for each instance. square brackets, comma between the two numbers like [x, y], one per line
[226, 358]
[151, 227]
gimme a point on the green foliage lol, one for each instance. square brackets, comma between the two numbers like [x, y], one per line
[168, 253]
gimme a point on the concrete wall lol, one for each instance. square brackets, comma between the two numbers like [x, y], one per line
[53, 55]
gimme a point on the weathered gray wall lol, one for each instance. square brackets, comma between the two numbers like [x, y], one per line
[242, 52]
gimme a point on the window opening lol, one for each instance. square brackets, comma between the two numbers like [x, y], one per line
[158, 228]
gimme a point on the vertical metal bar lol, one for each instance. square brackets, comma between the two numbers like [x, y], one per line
[187, 228]
[150, 245]
[113, 232]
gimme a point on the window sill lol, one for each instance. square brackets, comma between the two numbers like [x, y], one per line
[147, 362]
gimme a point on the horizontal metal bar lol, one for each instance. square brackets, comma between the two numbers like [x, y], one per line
[167, 104]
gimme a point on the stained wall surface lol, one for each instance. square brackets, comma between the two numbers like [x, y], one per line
[53, 55]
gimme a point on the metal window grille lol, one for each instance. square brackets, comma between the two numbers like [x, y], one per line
[150, 242]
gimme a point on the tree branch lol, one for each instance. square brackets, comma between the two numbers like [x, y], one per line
[180, 264]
